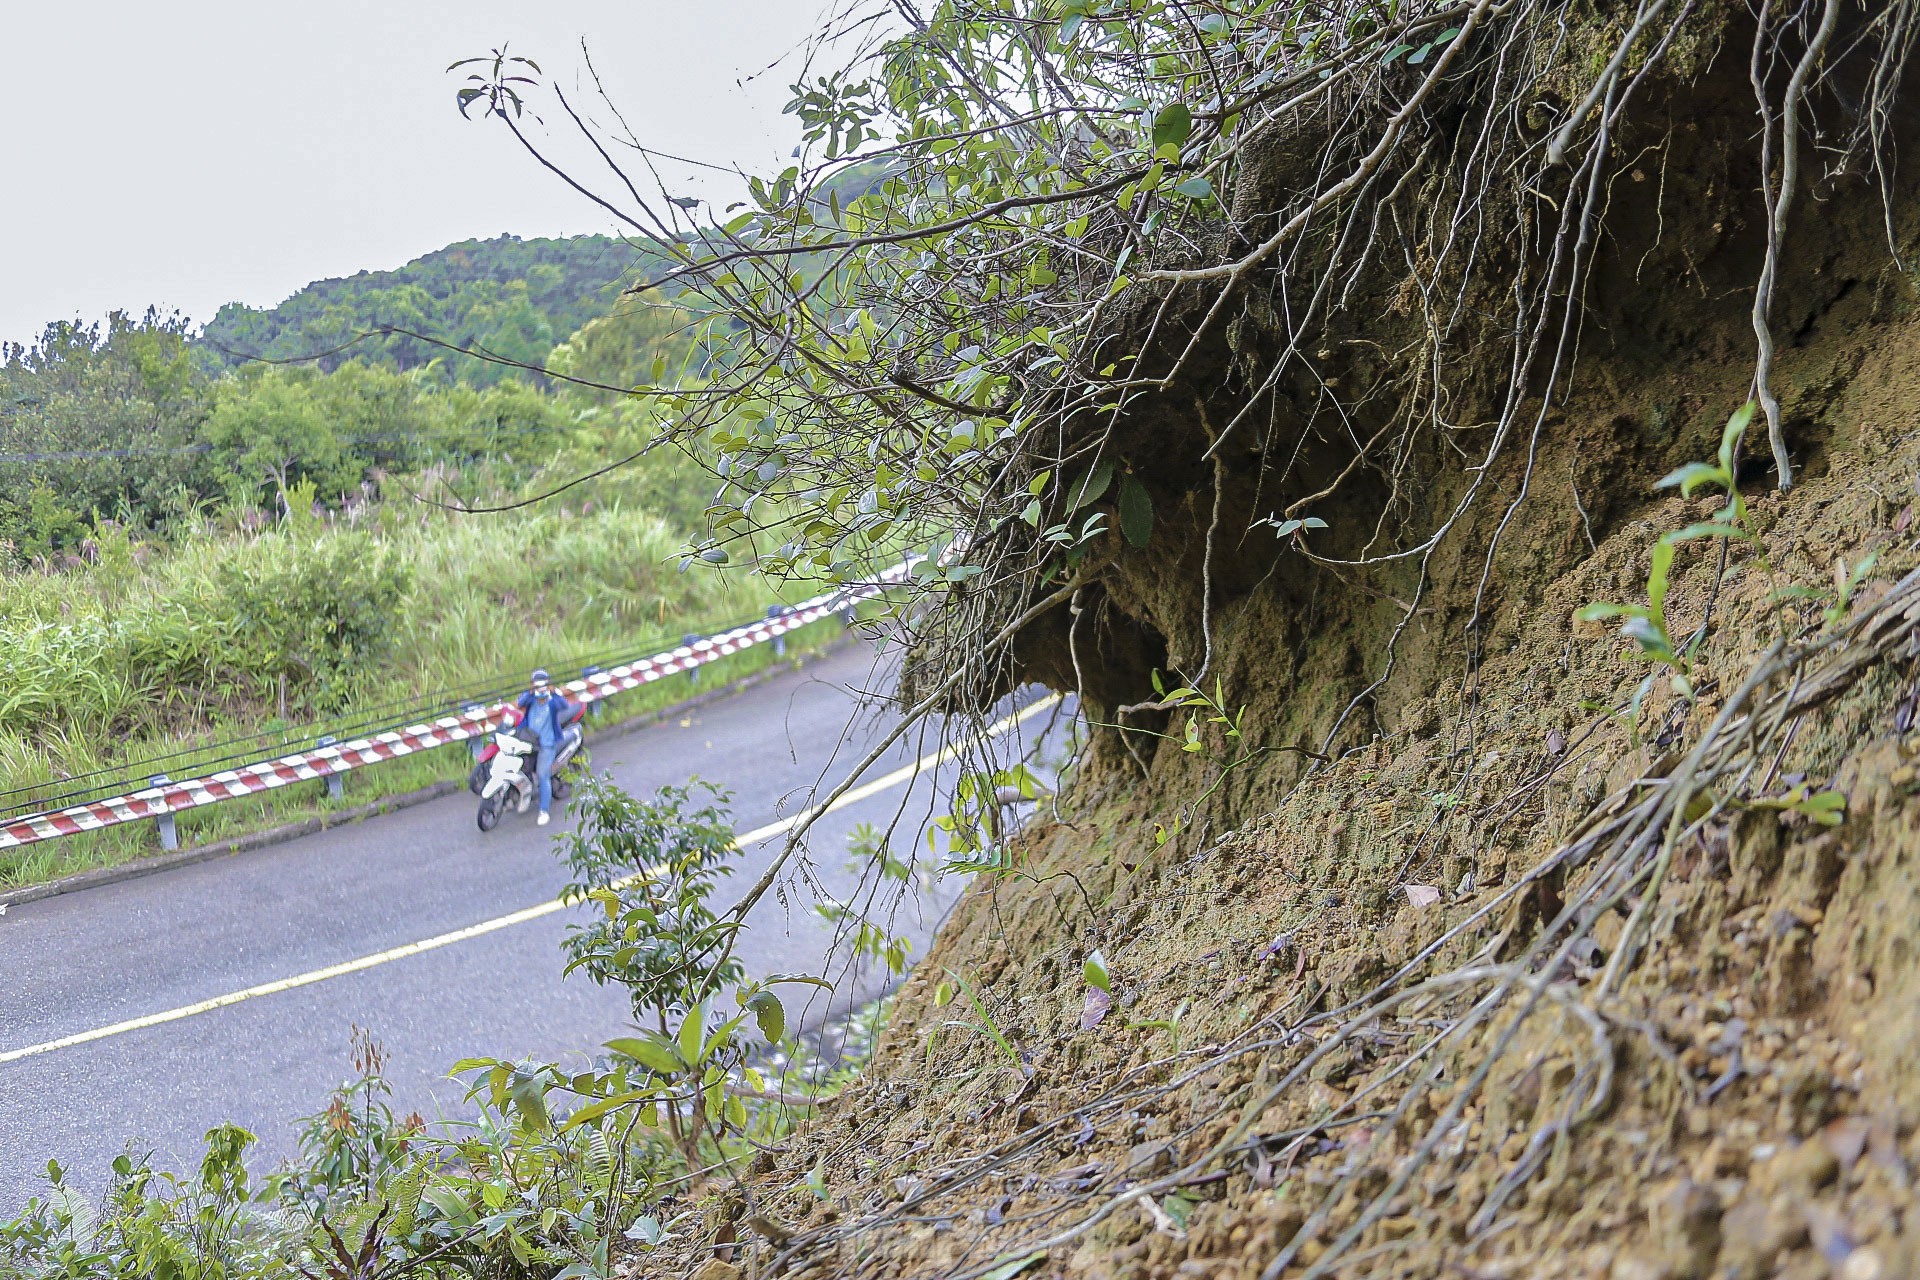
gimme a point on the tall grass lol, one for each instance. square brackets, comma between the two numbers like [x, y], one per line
[157, 654]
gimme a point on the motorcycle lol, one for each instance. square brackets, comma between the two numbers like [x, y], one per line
[505, 774]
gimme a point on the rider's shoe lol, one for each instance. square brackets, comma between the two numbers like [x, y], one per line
[545, 817]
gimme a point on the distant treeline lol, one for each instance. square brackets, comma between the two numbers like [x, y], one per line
[515, 298]
[143, 422]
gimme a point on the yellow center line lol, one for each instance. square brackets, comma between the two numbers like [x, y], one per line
[864, 791]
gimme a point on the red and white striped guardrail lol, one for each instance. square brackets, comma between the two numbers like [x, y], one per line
[304, 766]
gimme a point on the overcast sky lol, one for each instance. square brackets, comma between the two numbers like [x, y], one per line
[197, 152]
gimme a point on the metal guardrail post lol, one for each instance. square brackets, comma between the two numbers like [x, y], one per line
[780, 641]
[478, 742]
[593, 708]
[693, 673]
[169, 837]
[336, 785]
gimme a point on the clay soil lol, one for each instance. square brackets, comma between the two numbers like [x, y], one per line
[1743, 1103]
[1302, 1068]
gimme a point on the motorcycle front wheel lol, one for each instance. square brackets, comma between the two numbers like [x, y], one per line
[489, 816]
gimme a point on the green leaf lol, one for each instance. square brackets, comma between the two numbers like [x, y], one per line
[770, 1014]
[650, 1051]
[1691, 477]
[1285, 527]
[1172, 126]
[1007, 1270]
[1651, 638]
[693, 1034]
[1095, 970]
[594, 1110]
[452, 1205]
[1705, 529]
[809, 979]
[1730, 437]
[1195, 188]
[1657, 582]
[530, 1100]
[1136, 512]
[1090, 488]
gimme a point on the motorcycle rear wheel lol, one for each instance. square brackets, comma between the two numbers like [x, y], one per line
[562, 788]
[489, 816]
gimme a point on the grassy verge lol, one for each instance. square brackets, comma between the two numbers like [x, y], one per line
[229, 646]
[113, 846]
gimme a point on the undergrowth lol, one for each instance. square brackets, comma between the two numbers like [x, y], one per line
[179, 659]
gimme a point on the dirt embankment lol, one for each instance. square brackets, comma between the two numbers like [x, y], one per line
[1538, 975]
[1762, 1059]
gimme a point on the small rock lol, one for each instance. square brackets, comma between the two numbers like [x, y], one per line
[1846, 1138]
[1685, 1218]
[1829, 1233]
[1633, 1266]
[1144, 1159]
[1863, 1264]
[1807, 1167]
[714, 1269]
[1754, 1233]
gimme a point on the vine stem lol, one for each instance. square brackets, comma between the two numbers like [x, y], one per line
[1777, 224]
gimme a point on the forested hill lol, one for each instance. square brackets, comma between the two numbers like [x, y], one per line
[517, 298]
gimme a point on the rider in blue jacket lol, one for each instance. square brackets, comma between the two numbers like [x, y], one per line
[545, 713]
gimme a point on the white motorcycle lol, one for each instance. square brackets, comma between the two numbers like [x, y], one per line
[510, 777]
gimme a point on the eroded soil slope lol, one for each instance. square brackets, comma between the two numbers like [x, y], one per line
[1386, 1028]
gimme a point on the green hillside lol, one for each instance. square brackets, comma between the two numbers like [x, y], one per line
[517, 298]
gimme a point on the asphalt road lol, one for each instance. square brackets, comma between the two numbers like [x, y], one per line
[88, 960]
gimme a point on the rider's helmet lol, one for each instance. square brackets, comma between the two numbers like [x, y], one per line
[541, 680]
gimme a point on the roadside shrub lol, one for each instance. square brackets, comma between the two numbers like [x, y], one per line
[314, 614]
[278, 622]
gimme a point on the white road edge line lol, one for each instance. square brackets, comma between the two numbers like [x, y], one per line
[862, 792]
